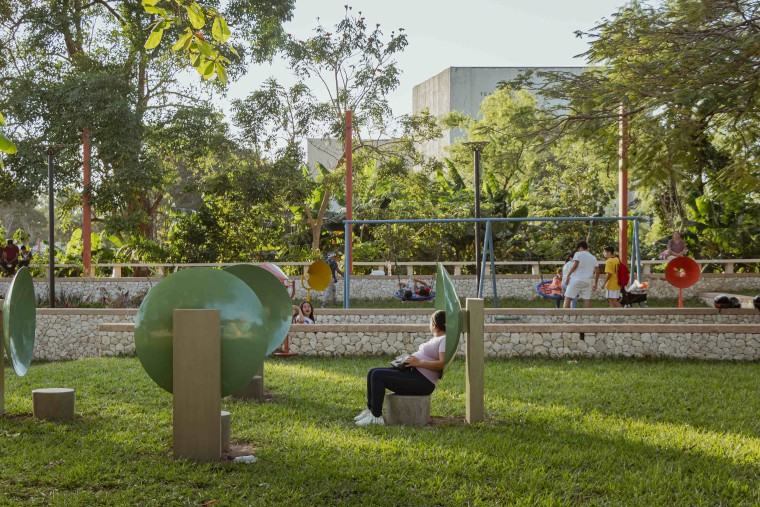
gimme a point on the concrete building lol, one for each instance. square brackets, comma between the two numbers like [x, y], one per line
[463, 89]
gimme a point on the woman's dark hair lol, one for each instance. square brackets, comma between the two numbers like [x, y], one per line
[312, 316]
[438, 319]
[610, 249]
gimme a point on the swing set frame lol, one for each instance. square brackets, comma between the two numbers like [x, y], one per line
[634, 261]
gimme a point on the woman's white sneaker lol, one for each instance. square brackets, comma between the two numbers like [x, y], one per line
[363, 414]
[370, 419]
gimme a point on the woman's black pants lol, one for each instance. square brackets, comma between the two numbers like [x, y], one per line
[408, 382]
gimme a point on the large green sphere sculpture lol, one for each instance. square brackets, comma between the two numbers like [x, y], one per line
[19, 321]
[278, 309]
[446, 299]
[245, 332]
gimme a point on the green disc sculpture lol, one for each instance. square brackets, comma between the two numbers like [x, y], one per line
[245, 332]
[278, 313]
[446, 299]
[19, 321]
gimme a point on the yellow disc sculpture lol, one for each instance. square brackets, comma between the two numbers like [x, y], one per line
[318, 275]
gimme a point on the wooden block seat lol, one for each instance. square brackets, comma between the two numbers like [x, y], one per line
[56, 404]
[401, 410]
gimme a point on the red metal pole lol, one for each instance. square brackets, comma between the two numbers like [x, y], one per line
[86, 217]
[623, 185]
[349, 190]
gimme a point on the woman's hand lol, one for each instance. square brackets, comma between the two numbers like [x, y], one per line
[413, 361]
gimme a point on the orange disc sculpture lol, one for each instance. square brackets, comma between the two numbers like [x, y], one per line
[682, 273]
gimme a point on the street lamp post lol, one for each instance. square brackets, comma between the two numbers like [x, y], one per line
[477, 147]
[51, 151]
[51, 231]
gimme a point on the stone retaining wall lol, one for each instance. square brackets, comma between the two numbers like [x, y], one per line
[739, 342]
[550, 316]
[77, 333]
[379, 287]
[74, 333]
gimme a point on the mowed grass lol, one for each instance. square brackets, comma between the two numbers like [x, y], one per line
[591, 432]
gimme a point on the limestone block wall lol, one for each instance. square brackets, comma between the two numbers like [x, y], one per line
[74, 333]
[92, 290]
[65, 334]
[421, 315]
[382, 287]
[740, 342]
[116, 339]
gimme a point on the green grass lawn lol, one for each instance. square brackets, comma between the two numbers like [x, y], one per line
[595, 432]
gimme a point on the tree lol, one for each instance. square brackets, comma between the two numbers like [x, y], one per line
[526, 175]
[686, 74]
[6, 145]
[349, 67]
[71, 66]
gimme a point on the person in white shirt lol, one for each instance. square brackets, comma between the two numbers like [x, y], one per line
[579, 277]
[423, 369]
[304, 314]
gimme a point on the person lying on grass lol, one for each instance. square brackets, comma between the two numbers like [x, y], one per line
[419, 377]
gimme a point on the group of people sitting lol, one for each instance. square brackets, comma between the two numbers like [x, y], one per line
[14, 258]
[414, 286]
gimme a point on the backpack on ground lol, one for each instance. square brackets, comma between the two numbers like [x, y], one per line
[623, 275]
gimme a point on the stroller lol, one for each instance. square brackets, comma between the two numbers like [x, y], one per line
[635, 294]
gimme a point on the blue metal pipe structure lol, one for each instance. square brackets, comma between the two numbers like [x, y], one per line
[487, 221]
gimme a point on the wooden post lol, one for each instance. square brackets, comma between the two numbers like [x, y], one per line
[197, 384]
[474, 360]
[623, 186]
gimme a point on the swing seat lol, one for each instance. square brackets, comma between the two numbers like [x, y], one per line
[545, 292]
[416, 296]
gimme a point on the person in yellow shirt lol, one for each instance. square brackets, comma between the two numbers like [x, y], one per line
[611, 285]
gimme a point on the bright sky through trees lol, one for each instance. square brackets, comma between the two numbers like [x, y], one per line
[488, 33]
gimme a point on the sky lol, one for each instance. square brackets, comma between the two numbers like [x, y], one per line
[446, 33]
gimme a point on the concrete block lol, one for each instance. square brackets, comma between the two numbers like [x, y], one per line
[403, 410]
[55, 404]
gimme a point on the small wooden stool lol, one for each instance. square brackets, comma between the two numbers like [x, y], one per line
[403, 410]
[226, 430]
[55, 403]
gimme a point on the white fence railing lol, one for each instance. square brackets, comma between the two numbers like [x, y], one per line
[390, 268]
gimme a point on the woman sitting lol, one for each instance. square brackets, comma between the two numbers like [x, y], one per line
[676, 248]
[423, 370]
[304, 314]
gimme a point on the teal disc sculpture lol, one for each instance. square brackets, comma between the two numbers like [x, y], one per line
[446, 299]
[244, 330]
[278, 309]
[19, 321]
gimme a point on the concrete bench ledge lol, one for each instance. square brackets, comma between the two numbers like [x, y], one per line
[126, 312]
[126, 327]
[619, 311]
[623, 328]
[117, 327]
